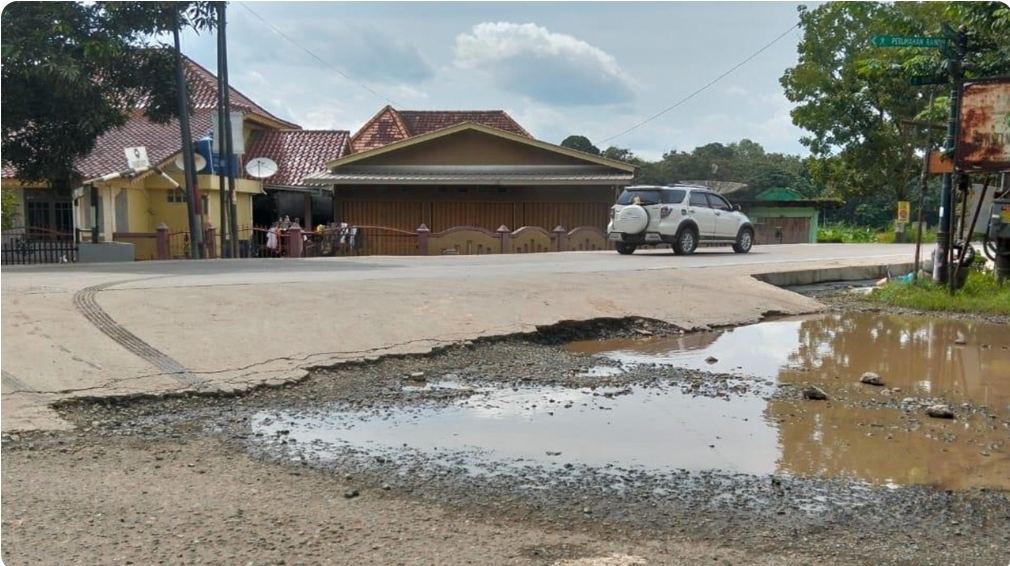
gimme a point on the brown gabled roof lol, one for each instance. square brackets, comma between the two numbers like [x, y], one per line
[165, 140]
[297, 152]
[161, 140]
[203, 92]
[390, 125]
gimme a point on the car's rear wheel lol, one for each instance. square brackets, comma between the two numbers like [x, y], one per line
[686, 242]
[625, 249]
[744, 241]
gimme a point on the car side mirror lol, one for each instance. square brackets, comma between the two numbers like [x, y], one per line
[736, 207]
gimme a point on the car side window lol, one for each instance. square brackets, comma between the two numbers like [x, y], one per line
[719, 203]
[673, 197]
[645, 197]
[698, 199]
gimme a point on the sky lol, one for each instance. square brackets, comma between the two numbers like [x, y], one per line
[595, 69]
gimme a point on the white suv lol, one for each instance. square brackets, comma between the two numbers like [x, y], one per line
[682, 216]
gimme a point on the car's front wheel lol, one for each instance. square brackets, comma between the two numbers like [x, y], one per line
[744, 241]
[625, 249]
[686, 242]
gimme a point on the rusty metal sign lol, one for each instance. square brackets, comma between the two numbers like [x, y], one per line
[983, 139]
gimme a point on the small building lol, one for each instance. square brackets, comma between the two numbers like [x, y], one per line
[782, 216]
[468, 174]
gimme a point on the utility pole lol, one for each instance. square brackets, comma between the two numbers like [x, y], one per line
[955, 52]
[224, 159]
[196, 247]
[227, 140]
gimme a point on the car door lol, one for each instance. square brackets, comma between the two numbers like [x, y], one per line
[726, 222]
[699, 210]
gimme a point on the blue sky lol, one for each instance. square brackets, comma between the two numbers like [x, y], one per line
[559, 68]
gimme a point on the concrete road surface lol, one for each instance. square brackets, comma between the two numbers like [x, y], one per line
[154, 327]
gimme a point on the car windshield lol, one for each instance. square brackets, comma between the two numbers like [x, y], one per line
[651, 196]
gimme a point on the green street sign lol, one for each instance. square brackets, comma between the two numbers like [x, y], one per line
[923, 80]
[907, 41]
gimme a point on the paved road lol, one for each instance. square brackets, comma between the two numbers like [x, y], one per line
[120, 329]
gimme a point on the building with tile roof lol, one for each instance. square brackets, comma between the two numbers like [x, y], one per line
[468, 174]
[140, 205]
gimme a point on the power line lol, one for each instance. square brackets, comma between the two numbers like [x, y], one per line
[313, 55]
[702, 89]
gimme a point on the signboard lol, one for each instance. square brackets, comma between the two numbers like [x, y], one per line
[907, 41]
[902, 212]
[136, 157]
[983, 137]
[938, 163]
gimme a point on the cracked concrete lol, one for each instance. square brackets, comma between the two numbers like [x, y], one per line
[238, 324]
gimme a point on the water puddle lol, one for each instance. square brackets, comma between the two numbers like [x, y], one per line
[918, 356]
[635, 426]
[661, 428]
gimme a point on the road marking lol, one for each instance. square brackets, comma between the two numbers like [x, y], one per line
[84, 301]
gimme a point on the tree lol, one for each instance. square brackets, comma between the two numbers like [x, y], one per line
[621, 154]
[73, 71]
[855, 99]
[580, 143]
[8, 208]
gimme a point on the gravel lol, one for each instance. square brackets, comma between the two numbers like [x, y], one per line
[183, 479]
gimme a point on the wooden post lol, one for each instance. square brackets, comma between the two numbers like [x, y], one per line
[423, 233]
[294, 241]
[210, 234]
[161, 241]
[503, 234]
[560, 236]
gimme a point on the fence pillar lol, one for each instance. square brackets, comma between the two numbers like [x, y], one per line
[209, 238]
[560, 239]
[503, 234]
[161, 241]
[423, 233]
[294, 241]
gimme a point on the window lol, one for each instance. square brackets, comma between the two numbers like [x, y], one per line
[177, 195]
[698, 199]
[718, 203]
[645, 196]
[674, 197]
[55, 216]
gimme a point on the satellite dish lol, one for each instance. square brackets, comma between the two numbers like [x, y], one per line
[198, 162]
[261, 167]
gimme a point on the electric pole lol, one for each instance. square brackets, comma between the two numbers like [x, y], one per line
[196, 248]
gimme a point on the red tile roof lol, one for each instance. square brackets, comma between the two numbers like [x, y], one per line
[297, 152]
[162, 140]
[391, 125]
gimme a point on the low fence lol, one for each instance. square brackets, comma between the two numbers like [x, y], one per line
[349, 240]
[28, 245]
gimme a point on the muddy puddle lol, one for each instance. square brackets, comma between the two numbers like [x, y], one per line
[657, 427]
[915, 356]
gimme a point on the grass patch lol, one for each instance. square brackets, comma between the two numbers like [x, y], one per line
[847, 234]
[980, 294]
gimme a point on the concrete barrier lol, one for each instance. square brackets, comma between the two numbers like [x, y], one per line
[832, 274]
[105, 252]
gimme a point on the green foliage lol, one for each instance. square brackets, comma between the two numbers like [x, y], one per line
[855, 99]
[8, 208]
[580, 143]
[979, 294]
[621, 154]
[73, 71]
[845, 234]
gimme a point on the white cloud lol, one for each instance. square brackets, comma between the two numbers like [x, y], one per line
[548, 67]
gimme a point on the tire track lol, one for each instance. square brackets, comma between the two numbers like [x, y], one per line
[15, 384]
[84, 302]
